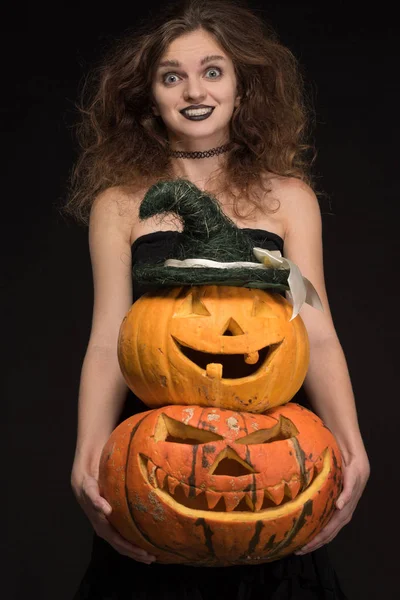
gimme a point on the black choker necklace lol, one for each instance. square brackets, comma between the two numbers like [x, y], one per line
[199, 154]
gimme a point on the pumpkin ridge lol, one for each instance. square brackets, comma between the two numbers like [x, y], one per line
[254, 540]
[297, 526]
[192, 476]
[135, 333]
[208, 533]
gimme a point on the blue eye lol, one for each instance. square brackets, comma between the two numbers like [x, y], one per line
[216, 70]
[165, 78]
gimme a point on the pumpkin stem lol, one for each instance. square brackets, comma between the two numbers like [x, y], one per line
[207, 231]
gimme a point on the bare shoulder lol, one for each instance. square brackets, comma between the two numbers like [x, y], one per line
[303, 245]
[113, 213]
[297, 200]
[116, 209]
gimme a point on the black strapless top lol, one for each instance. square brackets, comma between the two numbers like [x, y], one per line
[157, 246]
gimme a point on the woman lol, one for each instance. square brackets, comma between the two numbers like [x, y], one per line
[207, 94]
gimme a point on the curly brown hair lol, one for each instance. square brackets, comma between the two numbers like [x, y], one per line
[124, 144]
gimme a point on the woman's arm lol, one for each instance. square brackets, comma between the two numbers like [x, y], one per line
[327, 384]
[102, 388]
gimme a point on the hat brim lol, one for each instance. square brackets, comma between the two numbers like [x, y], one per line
[160, 276]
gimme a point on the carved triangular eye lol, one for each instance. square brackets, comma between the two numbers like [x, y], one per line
[283, 430]
[171, 430]
[261, 308]
[192, 306]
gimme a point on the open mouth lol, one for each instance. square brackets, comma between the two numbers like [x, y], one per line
[197, 114]
[280, 496]
[229, 366]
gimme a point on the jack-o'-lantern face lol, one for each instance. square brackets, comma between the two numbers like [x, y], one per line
[213, 346]
[232, 475]
[221, 487]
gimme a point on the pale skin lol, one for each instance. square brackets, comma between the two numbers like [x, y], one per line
[114, 226]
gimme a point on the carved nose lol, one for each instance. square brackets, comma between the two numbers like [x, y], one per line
[232, 327]
[229, 463]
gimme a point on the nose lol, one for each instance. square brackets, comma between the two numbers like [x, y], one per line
[194, 90]
[230, 463]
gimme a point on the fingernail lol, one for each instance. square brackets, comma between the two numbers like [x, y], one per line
[107, 509]
[340, 504]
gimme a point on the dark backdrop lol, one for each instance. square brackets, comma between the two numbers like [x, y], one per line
[350, 56]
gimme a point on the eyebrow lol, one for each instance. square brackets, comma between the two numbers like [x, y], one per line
[176, 63]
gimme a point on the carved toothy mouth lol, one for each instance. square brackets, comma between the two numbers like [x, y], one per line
[229, 366]
[281, 497]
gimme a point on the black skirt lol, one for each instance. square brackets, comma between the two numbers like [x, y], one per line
[111, 576]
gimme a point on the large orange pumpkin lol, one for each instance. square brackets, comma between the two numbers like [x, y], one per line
[209, 486]
[213, 346]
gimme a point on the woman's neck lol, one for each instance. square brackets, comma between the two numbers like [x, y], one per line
[198, 171]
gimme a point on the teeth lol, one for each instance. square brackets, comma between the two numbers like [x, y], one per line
[189, 489]
[249, 500]
[232, 499]
[172, 483]
[214, 370]
[254, 500]
[276, 493]
[212, 499]
[197, 111]
[160, 476]
[259, 500]
[251, 358]
[292, 488]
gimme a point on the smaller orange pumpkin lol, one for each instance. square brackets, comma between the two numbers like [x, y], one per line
[233, 347]
[213, 487]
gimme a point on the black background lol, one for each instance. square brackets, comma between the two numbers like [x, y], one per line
[350, 55]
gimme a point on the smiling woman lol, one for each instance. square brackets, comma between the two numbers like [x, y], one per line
[193, 54]
[207, 94]
[184, 91]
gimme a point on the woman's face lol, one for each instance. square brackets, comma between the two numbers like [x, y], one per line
[195, 71]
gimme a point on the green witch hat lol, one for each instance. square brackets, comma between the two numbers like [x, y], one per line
[212, 250]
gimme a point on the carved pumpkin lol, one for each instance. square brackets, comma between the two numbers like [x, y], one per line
[209, 486]
[213, 346]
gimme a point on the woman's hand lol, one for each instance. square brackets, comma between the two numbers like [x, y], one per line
[97, 510]
[355, 476]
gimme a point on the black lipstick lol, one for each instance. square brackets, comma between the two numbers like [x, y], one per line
[184, 112]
